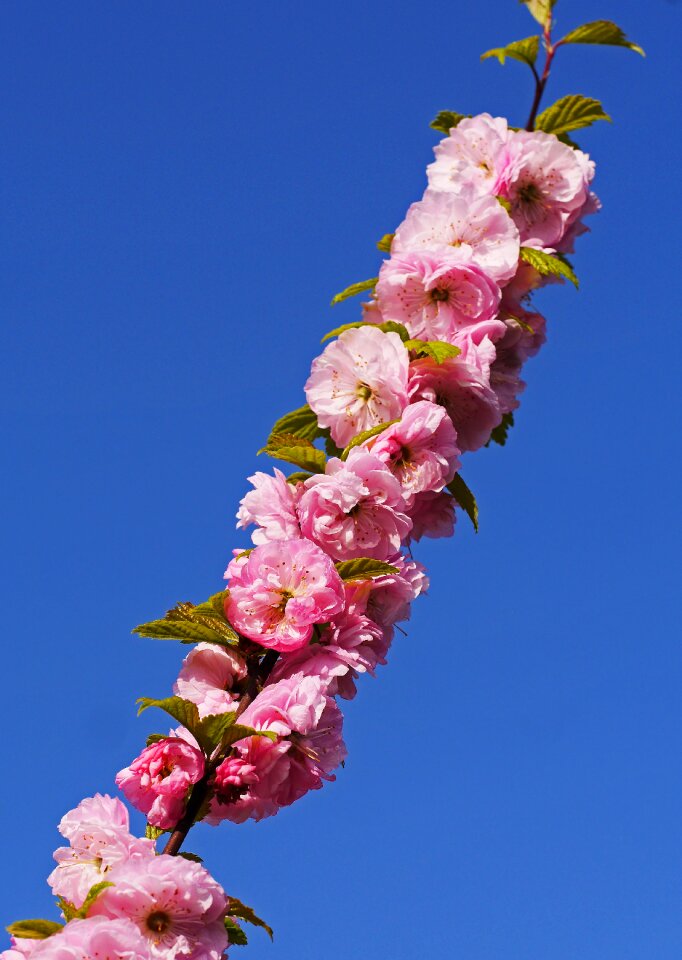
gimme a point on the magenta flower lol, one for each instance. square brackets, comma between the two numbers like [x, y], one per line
[387, 600]
[159, 780]
[432, 515]
[271, 505]
[420, 450]
[95, 938]
[479, 226]
[461, 385]
[99, 838]
[474, 155]
[175, 904]
[282, 590]
[436, 295]
[207, 678]
[356, 509]
[359, 380]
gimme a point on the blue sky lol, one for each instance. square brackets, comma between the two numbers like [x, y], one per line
[184, 187]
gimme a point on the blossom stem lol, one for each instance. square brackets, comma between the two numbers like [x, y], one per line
[541, 81]
[200, 791]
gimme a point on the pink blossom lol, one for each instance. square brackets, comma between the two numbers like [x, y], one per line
[479, 227]
[99, 836]
[387, 599]
[95, 938]
[432, 515]
[475, 154]
[359, 381]
[271, 505]
[283, 589]
[20, 948]
[208, 677]
[356, 509]
[420, 450]
[175, 903]
[159, 780]
[310, 747]
[436, 295]
[547, 186]
[461, 385]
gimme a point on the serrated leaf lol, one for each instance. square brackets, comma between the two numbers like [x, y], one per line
[549, 265]
[235, 908]
[525, 51]
[564, 138]
[240, 732]
[298, 477]
[191, 624]
[213, 607]
[540, 9]
[437, 350]
[464, 498]
[69, 910]
[363, 568]
[301, 422]
[385, 243]
[302, 455]
[354, 289]
[211, 730]
[570, 113]
[235, 935]
[194, 857]
[388, 326]
[156, 738]
[34, 929]
[500, 433]
[153, 833]
[185, 631]
[184, 711]
[604, 32]
[445, 120]
[366, 435]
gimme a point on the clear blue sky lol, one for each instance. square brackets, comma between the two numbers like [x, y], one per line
[184, 186]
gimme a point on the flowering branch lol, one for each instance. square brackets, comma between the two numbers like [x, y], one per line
[431, 371]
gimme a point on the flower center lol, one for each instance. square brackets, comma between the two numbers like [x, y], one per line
[441, 295]
[158, 922]
[363, 391]
[285, 597]
[529, 194]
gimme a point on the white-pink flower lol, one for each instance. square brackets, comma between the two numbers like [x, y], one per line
[271, 505]
[175, 904]
[356, 509]
[158, 782]
[461, 385]
[436, 295]
[208, 676]
[387, 599]
[432, 515]
[420, 450]
[282, 590]
[96, 938]
[359, 381]
[474, 155]
[479, 225]
[99, 838]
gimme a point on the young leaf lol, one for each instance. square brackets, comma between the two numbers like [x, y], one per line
[184, 711]
[385, 243]
[366, 435]
[500, 433]
[235, 908]
[235, 935]
[69, 910]
[570, 113]
[437, 350]
[240, 732]
[93, 894]
[299, 452]
[213, 607]
[298, 477]
[363, 568]
[153, 833]
[445, 120]
[354, 290]
[548, 264]
[525, 51]
[194, 857]
[156, 738]
[604, 32]
[464, 498]
[299, 423]
[34, 929]
[185, 631]
[388, 326]
[541, 10]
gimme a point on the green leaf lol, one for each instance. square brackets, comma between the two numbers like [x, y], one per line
[186, 632]
[354, 290]
[363, 568]
[213, 607]
[235, 935]
[464, 498]
[385, 243]
[235, 908]
[500, 434]
[297, 451]
[298, 477]
[156, 738]
[184, 711]
[570, 113]
[93, 894]
[437, 350]
[604, 32]
[240, 732]
[541, 10]
[194, 857]
[366, 435]
[211, 730]
[445, 120]
[525, 51]
[190, 624]
[153, 833]
[564, 137]
[548, 264]
[34, 929]
[389, 326]
[69, 910]
[299, 423]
